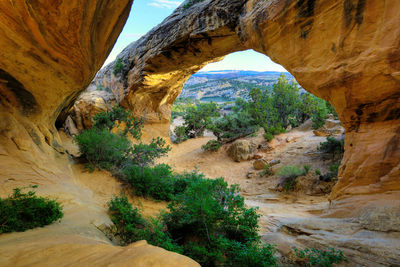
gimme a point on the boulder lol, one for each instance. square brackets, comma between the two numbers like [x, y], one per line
[241, 150]
[260, 164]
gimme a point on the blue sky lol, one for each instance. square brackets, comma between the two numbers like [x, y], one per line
[145, 14]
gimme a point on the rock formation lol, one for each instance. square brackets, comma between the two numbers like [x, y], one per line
[346, 52]
[50, 52]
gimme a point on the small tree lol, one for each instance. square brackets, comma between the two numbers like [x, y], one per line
[118, 66]
[106, 144]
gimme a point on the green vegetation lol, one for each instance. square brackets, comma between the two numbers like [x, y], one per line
[197, 118]
[233, 126]
[180, 105]
[332, 146]
[274, 109]
[118, 66]
[157, 182]
[267, 170]
[306, 168]
[22, 211]
[317, 172]
[288, 175]
[206, 220]
[212, 145]
[106, 144]
[321, 258]
[190, 3]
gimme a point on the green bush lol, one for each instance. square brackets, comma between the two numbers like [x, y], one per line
[106, 144]
[334, 169]
[332, 146]
[145, 154]
[251, 255]
[131, 226]
[270, 131]
[180, 133]
[233, 126]
[214, 215]
[306, 168]
[317, 172]
[212, 145]
[103, 149]
[289, 175]
[321, 258]
[207, 221]
[197, 119]
[118, 66]
[22, 211]
[157, 182]
[319, 116]
[267, 170]
[268, 137]
[190, 3]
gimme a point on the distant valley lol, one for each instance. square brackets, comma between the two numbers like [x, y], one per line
[227, 85]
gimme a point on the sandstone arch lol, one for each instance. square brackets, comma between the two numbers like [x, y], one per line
[346, 52]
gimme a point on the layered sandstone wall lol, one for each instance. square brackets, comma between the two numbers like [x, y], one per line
[50, 52]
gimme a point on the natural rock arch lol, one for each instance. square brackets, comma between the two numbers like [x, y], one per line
[346, 52]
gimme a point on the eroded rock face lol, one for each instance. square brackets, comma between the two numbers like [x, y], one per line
[50, 51]
[346, 52]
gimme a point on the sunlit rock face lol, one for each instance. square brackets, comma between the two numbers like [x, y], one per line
[346, 52]
[50, 50]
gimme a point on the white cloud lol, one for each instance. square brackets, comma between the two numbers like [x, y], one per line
[170, 4]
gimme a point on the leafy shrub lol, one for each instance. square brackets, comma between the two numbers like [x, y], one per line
[131, 226]
[157, 182]
[306, 168]
[212, 145]
[334, 169]
[270, 131]
[214, 215]
[332, 146]
[267, 170]
[180, 133]
[268, 137]
[207, 221]
[22, 211]
[317, 172]
[118, 66]
[190, 3]
[332, 174]
[103, 149]
[197, 119]
[321, 258]
[145, 154]
[106, 144]
[252, 255]
[319, 116]
[289, 175]
[233, 126]
[119, 118]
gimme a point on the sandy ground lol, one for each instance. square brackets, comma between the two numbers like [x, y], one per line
[260, 191]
